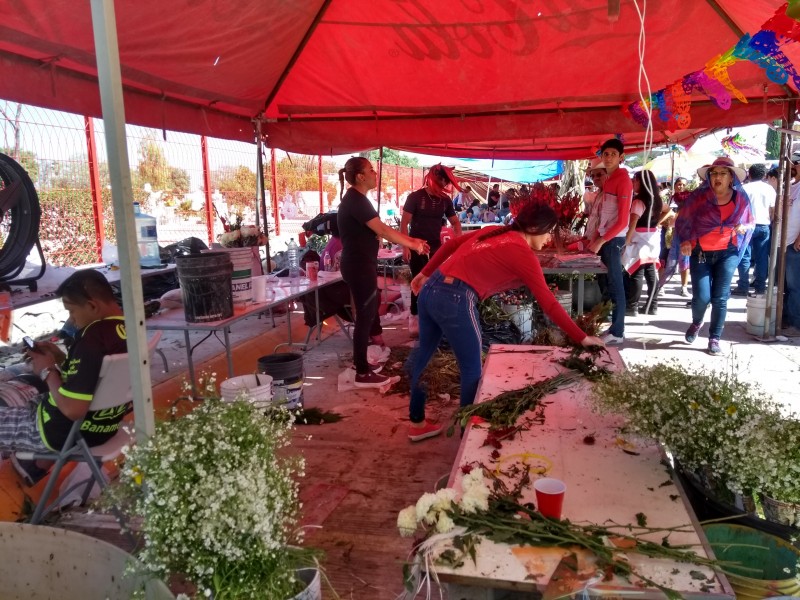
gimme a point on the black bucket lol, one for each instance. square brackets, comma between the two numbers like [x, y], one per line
[205, 281]
[286, 371]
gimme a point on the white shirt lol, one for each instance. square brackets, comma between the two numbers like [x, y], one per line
[762, 198]
[793, 220]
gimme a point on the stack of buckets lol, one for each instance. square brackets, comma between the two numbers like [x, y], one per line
[286, 370]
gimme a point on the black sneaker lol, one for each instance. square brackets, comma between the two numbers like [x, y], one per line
[370, 380]
[738, 292]
[28, 470]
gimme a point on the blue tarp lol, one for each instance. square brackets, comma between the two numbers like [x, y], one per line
[519, 171]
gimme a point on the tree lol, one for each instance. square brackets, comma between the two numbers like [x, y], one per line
[27, 159]
[572, 179]
[238, 185]
[393, 157]
[773, 150]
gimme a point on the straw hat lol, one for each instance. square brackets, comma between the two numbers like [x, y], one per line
[723, 161]
[595, 165]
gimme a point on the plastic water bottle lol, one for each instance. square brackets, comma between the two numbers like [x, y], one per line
[294, 260]
[5, 316]
[147, 238]
[327, 261]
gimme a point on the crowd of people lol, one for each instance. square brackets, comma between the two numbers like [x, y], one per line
[642, 231]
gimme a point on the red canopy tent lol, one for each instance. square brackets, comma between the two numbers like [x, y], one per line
[491, 78]
[502, 79]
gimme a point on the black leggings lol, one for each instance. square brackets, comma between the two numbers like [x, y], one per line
[634, 284]
[363, 284]
[416, 263]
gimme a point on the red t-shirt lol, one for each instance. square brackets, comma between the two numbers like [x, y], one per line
[498, 264]
[719, 239]
[615, 209]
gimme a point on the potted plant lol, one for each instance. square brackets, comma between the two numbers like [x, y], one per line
[217, 497]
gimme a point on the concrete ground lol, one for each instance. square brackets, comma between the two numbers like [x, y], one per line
[362, 470]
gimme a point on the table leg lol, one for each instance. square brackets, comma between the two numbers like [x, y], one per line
[580, 293]
[226, 332]
[189, 361]
[319, 325]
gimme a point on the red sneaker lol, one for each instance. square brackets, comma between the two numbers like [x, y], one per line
[422, 431]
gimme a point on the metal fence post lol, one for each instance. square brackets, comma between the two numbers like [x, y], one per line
[209, 207]
[97, 190]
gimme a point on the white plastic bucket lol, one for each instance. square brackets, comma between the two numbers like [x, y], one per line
[756, 307]
[241, 279]
[257, 389]
[522, 317]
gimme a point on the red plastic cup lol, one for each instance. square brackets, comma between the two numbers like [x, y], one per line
[550, 496]
[312, 269]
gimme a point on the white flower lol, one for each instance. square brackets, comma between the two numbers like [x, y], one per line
[444, 523]
[475, 499]
[407, 521]
[424, 505]
[444, 498]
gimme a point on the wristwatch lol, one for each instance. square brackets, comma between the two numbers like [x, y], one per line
[44, 373]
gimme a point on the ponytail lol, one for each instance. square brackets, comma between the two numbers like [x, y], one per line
[352, 167]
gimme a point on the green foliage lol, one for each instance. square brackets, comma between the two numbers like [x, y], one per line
[773, 150]
[27, 159]
[393, 157]
[67, 228]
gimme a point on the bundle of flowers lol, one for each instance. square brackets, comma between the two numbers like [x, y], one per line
[242, 236]
[566, 208]
[712, 422]
[488, 508]
[218, 500]
[516, 297]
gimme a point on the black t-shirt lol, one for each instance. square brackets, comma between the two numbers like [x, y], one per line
[79, 376]
[427, 211]
[359, 242]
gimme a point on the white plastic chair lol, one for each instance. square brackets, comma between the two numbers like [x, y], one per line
[114, 377]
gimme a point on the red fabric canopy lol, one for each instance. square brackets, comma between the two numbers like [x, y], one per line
[491, 78]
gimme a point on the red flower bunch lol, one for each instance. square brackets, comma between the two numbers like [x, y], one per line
[566, 208]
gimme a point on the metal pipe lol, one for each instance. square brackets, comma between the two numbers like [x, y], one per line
[97, 190]
[209, 203]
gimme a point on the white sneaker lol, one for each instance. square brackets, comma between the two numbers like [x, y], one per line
[413, 326]
[611, 340]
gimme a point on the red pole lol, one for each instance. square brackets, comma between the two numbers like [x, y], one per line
[207, 185]
[274, 191]
[97, 191]
[397, 185]
[321, 202]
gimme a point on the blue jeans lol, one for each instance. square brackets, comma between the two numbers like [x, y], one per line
[447, 307]
[791, 305]
[758, 250]
[711, 283]
[611, 256]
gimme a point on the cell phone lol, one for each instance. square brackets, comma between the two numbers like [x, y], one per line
[30, 344]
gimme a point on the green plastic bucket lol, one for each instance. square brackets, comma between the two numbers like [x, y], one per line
[761, 559]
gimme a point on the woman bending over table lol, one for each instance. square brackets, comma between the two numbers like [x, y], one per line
[713, 228]
[360, 228]
[468, 269]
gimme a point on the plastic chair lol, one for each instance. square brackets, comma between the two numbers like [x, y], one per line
[114, 377]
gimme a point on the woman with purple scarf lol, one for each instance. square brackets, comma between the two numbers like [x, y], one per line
[714, 227]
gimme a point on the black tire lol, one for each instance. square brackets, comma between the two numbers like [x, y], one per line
[19, 228]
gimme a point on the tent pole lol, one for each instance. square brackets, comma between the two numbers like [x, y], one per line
[781, 221]
[108, 75]
[380, 177]
[261, 192]
[321, 202]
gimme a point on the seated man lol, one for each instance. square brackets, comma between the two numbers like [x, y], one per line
[70, 381]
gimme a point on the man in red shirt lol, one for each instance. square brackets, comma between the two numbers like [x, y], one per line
[615, 210]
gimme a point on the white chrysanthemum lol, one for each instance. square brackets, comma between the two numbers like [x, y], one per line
[444, 498]
[407, 521]
[424, 505]
[444, 523]
[473, 479]
[475, 499]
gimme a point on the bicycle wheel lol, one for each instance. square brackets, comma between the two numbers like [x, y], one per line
[19, 227]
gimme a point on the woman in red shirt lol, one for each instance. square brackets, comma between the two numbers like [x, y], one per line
[713, 228]
[465, 270]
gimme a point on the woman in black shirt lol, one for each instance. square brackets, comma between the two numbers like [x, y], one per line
[360, 228]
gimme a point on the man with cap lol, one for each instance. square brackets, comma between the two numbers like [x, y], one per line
[762, 201]
[614, 211]
[423, 212]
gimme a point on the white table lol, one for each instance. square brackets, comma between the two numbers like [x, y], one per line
[603, 483]
[284, 292]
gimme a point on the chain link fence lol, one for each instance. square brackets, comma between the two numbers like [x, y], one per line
[192, 191]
